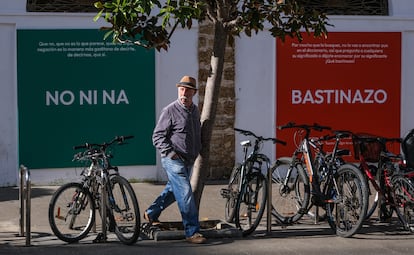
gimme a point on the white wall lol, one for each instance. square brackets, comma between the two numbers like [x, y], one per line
[255, 77]
[8, 103]
[255, 89]
[181, 59]
[402, 8]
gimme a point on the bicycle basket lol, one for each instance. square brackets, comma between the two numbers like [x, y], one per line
[367, 146]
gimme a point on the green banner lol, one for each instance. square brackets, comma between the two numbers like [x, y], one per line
[74, 87]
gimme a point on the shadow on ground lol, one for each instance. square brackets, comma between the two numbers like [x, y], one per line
[12, 193]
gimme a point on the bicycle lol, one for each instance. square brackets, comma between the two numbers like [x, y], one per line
[73, 206]
[312, 177]
[390, 182]
[367, 153]
[246, 193]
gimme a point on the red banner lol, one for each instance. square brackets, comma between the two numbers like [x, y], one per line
[349, 81]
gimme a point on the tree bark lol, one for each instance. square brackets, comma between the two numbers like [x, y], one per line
[209, 109]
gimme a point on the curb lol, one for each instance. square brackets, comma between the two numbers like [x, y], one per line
[209, 229]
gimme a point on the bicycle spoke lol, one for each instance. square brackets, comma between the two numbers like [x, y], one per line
[404, 201]
[350, 201]
[71, 213]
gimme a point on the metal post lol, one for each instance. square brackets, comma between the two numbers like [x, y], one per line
[103, 208]
[25, 203]
[28, 207]
[316, 220]
[21, 198]
[269, 202]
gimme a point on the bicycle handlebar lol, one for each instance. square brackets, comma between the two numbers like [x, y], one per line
[337, 134]
[119, 139]
[314, 126]
[260, 138]
[380, 139]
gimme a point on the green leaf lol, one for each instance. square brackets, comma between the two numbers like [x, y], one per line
[97, 16]
[107, 34]
[98, 5]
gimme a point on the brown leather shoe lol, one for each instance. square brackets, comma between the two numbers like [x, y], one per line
[197, 238]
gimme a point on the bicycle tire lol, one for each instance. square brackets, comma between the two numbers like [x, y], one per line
[403, 196]
[291, 202]
[71, 212]
[373, 194]
[347, 211]
[125, 210]
[232, 193]
[251, 203]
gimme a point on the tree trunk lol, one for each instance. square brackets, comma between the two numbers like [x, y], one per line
[209, 110]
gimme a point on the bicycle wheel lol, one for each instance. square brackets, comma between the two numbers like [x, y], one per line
[403, 196]
[231, 193]
[251, 203]
[373, 195]
[289, 201]
[125, 210]
[71, 212]
[347, 200]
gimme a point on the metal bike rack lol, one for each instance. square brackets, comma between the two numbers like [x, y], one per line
[104, 198]
[269, 202]
[102, 236]
[25, 203]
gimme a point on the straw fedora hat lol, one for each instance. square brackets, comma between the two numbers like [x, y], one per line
[188, 82]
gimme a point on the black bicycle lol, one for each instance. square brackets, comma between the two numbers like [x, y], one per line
[315, 177]
[246, 193]
[73, 205]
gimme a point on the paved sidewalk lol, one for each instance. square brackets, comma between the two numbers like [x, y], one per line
[306, 237]
[211, 210]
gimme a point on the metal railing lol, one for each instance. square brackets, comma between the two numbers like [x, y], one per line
[25, 205]
[269, 203]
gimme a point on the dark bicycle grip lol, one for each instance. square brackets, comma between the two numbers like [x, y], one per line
[239, 130]
[318, 127]
[245, 132]
[83, 146]
[127, 137]
[288, 125]
[280, 141]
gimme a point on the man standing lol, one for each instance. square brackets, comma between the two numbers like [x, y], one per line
[177, 136]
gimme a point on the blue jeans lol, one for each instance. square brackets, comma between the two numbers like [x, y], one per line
[178, 189]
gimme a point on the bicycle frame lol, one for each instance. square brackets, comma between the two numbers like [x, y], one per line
[73, 207]
[251, 159]
[249, 162]
[386, 166]
[97, 181]
[247, 190]
[304, 154]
